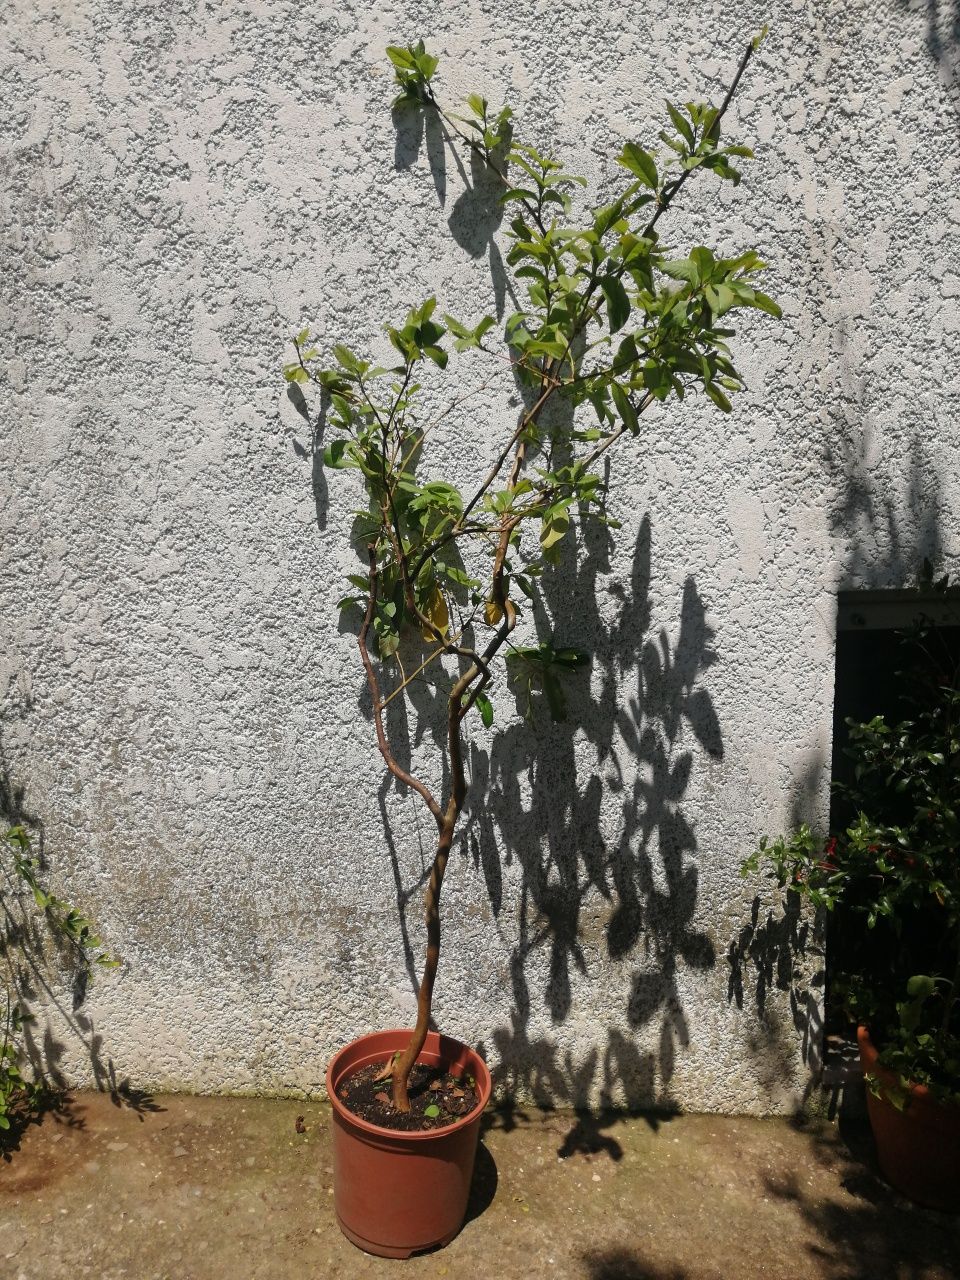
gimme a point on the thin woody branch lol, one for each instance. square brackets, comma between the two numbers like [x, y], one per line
[396, 769]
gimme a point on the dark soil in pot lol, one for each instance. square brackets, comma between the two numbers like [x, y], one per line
[437, 1098]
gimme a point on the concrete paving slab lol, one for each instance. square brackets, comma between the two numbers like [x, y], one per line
[204, 1188]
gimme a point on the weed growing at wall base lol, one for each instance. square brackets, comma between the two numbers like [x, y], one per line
[20, 888]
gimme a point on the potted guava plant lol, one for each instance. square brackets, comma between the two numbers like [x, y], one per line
[614, 321]
[891, 871]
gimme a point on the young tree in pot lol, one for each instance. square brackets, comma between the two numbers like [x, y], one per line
[614, 323]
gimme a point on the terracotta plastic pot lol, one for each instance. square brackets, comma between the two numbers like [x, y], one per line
[396, 1194]
[918, 1148]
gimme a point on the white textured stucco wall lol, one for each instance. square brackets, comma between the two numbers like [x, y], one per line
[182, 186]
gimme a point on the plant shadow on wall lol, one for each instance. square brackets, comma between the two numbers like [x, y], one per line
[606, 854]
[884, 528]
[478, 210]
[942, 40]
[43, 941]
[544, 802]
[782, 949]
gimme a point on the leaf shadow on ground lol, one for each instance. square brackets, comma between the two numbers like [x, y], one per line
[875, 1234]
[628, 1264]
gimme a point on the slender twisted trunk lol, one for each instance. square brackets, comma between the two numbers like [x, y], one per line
[463, 697]
[403, 1065]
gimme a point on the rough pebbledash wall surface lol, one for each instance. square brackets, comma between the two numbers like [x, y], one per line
[183, 186]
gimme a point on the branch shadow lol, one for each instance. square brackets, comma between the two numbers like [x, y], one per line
[477, 211]
[606, 859]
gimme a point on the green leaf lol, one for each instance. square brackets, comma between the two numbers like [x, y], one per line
[333, 454]
[401, 58]
[625, 407]
[456, 328]
[432, 1111]
[485, 707]
[427, 64]
[703, 260]
[920, 986]
[681, 124]
[556, 522]
[719, 297]
[346, 359]
[618, 304]
[640, 163]
[717, 396]
[571, 659]
[519, 194]
[388, 643]
[763, 303]
[681, 269]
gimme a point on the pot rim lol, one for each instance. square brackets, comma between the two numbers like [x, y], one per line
[871, 1064]
[413, 1135]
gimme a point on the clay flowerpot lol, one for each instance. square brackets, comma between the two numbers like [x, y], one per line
[918, 1148]
[396, 1194]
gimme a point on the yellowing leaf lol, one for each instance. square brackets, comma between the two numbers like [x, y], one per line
[492, 613]
[436, 610]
